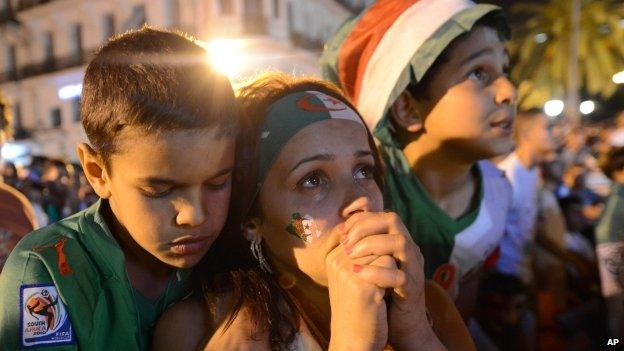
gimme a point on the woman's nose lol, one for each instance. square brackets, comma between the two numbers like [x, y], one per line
[359, 204]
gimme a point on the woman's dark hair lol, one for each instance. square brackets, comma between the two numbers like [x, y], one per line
[228, 268]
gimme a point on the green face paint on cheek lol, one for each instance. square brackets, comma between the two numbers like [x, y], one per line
[303, 227]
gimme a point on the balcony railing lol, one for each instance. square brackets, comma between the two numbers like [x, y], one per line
[47, 66]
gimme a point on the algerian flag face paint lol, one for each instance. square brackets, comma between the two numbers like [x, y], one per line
[304, 228]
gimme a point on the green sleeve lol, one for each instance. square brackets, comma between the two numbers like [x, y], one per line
[610, 228]
[22, 267]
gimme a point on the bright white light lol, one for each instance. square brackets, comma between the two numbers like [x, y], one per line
[622, 23]
[553, 108]
[226, 55]
[541, 38]
[15, 153]
[70, 91]
[618, 78]
[587, 107]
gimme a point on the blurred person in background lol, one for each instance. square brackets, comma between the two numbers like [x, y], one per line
[502, 311]
[17, 217]
[610, 241]
[617, 136]
[533, 140]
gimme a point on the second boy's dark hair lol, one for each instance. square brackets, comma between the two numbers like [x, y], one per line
[156, 81]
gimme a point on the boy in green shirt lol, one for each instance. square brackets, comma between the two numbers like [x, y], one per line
[429, 78]
[610, 242]
[161, 129]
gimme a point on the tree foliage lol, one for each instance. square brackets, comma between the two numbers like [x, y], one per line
[540, 49]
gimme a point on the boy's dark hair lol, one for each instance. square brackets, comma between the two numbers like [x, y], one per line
[156, 81]
[495, 20]
[612, 161]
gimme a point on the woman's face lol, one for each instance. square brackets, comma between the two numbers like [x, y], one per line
[323, 175]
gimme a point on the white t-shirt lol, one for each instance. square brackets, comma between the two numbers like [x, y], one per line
[519, 229]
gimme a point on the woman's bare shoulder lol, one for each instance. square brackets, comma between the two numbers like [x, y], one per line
[182, 327]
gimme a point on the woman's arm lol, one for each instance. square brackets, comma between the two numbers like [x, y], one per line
[448, 324]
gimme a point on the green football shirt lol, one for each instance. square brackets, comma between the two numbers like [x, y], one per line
[65, 287]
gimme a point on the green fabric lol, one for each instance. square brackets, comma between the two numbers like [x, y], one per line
[329, 58]
[610, 228]
[97, 294]
[431, 228]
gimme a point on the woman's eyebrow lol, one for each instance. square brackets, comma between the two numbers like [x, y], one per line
[319, 157]
[363, 153]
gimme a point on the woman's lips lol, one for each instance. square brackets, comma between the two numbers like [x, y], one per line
[190, 246]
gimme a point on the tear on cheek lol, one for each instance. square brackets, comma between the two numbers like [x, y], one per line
[304, 227]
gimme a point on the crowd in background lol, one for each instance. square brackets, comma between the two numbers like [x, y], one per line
[561, 308]
[56, 188]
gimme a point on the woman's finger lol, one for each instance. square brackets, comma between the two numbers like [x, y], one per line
[382, 277]
[401, 248]
[365, 224]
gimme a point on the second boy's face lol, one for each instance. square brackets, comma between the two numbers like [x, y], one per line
[170, 192]
[472, 103]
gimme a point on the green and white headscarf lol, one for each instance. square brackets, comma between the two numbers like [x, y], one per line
[289, 115]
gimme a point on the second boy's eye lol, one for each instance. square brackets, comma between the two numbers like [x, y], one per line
[479, 75]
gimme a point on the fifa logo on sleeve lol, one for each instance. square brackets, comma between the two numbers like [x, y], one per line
[44, 319]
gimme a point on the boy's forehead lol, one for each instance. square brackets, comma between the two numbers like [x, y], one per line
[167, 151]
[479, 42]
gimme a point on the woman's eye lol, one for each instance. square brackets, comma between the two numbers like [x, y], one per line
[312, 181]
[365, 172]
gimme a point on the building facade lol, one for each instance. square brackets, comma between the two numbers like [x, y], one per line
[46, 44]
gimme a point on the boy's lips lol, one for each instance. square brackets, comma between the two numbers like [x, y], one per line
[505, 123]
[189, 245]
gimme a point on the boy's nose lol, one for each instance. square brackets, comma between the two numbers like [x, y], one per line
[191, 213]
[506, 92]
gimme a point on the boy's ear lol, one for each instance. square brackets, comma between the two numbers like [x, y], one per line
[405, 113]
[94, 169]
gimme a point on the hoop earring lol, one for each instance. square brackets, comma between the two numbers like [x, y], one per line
[255, 239]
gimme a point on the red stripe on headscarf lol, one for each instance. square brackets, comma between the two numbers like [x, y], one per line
[361, 43]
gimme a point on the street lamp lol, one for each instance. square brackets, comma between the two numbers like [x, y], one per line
[553, 108]
[618, 78]
[587, 107]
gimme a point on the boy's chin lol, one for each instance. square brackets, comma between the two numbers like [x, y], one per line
[182, 262]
